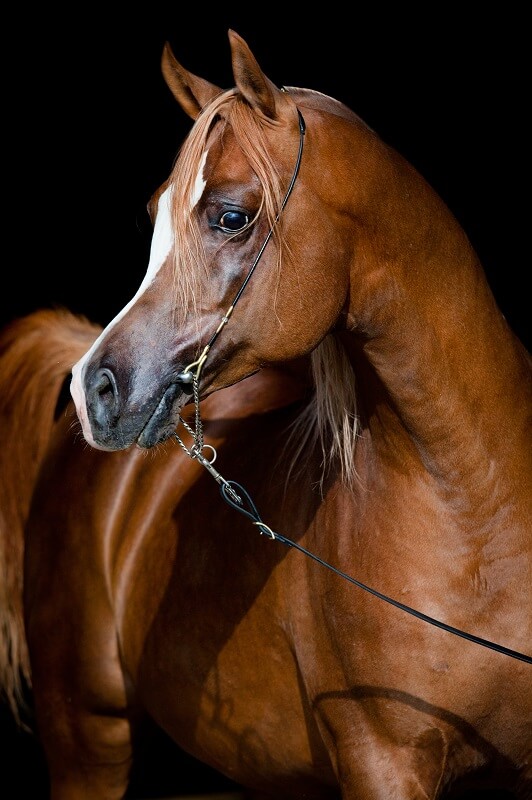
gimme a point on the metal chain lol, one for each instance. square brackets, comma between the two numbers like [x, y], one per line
[197, 431]
[199, 445]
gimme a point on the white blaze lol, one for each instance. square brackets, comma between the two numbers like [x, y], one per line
[161, 246]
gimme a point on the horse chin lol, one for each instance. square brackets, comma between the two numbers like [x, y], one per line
[164, 420]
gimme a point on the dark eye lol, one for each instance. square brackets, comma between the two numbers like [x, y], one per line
[233, 221]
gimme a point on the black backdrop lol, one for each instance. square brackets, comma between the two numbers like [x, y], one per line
[90, 130]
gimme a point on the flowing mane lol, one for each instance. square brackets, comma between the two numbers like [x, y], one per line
[330, 418]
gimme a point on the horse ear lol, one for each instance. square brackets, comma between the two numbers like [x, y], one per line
[192, 93]
[250, 80]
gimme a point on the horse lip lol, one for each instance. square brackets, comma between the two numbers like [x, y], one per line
[163, 422]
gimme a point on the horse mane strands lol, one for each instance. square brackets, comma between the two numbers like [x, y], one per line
[248, 131]
[330, 419]
[189, 254]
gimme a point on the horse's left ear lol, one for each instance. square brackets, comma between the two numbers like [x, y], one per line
[191, 92]
[259, 91]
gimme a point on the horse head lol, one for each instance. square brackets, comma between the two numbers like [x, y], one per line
[232, 283]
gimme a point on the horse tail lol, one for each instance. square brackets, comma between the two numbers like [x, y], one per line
[37, 353]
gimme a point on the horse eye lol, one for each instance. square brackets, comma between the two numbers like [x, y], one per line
[233, 221]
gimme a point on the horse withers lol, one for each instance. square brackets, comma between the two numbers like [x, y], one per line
[315, 345]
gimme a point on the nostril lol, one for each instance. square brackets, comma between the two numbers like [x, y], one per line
[105, 384]
[103, 397]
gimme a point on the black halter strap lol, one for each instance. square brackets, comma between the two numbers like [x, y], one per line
[186, 377]
[302, 129]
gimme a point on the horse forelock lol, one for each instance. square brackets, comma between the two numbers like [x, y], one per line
[187, 183]
[329, 420]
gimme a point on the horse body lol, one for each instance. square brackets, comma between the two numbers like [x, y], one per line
[150, 623]
[264, 664]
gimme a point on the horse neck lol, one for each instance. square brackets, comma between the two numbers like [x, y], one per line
[422, 318]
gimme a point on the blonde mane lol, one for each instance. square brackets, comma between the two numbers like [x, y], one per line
[329, 421]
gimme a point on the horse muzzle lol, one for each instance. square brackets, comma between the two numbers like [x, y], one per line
[112, 421]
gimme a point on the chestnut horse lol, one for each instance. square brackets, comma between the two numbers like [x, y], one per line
[340, 606]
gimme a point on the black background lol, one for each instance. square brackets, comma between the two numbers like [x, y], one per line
[91, 130]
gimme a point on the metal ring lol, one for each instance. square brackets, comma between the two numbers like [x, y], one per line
[214, 453]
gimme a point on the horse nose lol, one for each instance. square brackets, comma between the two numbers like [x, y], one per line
[103, 398]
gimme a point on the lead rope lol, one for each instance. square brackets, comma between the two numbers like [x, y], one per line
[236, 496]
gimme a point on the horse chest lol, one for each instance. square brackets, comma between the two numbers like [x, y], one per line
[231, 694]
